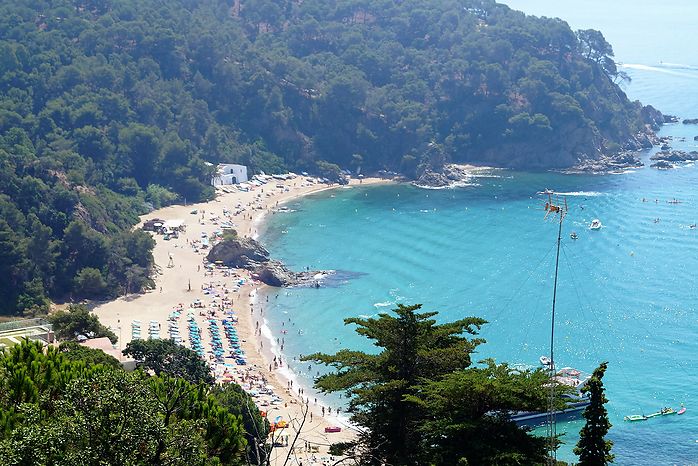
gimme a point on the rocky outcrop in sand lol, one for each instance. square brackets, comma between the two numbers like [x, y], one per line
[246, 253]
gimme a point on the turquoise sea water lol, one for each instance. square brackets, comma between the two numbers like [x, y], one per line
[627, 293]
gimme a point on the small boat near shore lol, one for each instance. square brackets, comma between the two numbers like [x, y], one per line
[668, 411]
[635, 418]
[595, 224]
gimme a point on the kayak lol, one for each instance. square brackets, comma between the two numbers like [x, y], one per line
[681, 411]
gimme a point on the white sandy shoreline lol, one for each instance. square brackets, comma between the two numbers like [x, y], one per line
[180, 268]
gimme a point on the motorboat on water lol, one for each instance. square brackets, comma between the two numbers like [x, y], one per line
[635, 418]
[662, 412]
[575, 401]
[595, 224]
[573, 410]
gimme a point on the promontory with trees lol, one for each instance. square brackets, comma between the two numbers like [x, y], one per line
[110, 108]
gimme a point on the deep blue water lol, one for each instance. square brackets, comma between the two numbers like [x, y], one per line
[627, 293]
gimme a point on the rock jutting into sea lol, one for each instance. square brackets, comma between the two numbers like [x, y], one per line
[662, 165]
[664, 158]
[246, 253]
[606, 163]
[690, 121]
[450, 175]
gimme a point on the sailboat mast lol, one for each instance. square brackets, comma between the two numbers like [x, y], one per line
[552, 421]
[551, 424]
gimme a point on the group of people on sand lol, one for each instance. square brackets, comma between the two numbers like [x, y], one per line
[222, 289]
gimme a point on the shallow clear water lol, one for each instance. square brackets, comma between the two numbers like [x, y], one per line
[627, 293]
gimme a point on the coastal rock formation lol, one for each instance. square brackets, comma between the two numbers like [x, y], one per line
[675, 155]
[646, 141]
[695, 138]
[246, 253]
[604, 163]
[690, 121]
[449, 175]
[671, 119]
[274, 273]
[653, 117]
[432, 179]
[662, 165]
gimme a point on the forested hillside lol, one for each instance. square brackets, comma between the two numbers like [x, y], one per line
[111, 107]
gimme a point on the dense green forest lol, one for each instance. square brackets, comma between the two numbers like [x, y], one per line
[109, 108]
[73, 406]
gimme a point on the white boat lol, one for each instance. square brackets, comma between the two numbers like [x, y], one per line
[575, 402]
[575, 405]
[595, 224]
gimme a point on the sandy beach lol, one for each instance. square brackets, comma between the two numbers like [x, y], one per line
[189, 295]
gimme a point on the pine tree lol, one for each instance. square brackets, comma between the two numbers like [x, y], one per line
[593, 449]
[413, 347]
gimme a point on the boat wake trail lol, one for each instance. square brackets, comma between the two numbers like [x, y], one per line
[580, 193]
[678, 66]
[662, 69]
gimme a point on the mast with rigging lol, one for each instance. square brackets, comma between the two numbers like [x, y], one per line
[556, 209]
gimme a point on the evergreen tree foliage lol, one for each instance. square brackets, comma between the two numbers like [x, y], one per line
[418, 401]
[233, 398]
[593, 449]
[56, 411]
[468, 423]
[76, 321]
[166, 357]
[73, 351]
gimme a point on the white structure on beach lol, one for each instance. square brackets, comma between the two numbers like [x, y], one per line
[229, 173]
[175, 225]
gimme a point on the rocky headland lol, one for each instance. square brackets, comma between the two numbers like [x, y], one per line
[248, 254]
[450, 175]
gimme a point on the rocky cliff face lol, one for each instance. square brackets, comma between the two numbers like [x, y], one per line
[246, 253]
[584, 148]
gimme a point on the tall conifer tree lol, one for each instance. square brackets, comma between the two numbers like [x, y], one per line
[593, 448]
